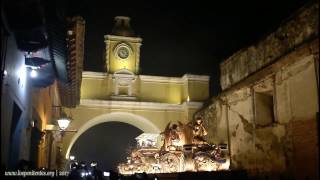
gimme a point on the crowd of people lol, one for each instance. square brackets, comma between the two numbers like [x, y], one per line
[82, 171]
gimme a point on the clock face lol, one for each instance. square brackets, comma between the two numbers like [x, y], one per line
[123, 52]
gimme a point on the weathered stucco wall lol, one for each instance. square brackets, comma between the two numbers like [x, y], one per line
[270, 117]
[303, 26]
[230, 119]
[215, 121]
[273, 148]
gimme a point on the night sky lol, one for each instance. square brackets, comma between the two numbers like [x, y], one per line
[182, 36]
[178, 38]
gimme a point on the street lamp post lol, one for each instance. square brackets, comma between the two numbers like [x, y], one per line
[63, 123]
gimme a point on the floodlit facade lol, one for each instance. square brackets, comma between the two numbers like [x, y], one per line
[122, 94]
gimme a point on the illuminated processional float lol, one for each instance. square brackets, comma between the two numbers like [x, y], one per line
[181, 147]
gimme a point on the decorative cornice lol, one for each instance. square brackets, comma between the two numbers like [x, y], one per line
[139, 105]
[130, 105]
[107, 55]
[193, 77]
[160, 79]
[122, 38]
[70, 91]
[192, 104]
[148, 78]
[124, 72]
[183, 79]
[91, 74]
[138, 58]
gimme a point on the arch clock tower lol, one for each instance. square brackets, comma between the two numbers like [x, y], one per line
[124, 94]
[122, 48]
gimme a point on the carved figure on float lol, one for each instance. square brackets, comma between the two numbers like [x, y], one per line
[176, 136]
[199, 132]
[184, 149]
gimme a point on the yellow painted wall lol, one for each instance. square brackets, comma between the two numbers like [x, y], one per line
[198, 90]
[96, 88]
[165, 93]
[42, 101]
[172, 92]
[160, 100]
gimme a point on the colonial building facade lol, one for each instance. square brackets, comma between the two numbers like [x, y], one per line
[122, 94]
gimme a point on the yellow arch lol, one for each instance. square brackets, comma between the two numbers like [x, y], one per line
[138, 121]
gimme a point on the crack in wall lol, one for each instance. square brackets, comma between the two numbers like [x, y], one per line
[246, 125]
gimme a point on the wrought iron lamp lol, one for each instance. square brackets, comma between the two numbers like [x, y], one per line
[63, 123]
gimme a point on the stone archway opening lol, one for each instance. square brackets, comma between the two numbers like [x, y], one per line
[106, 143]
[134, 120]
